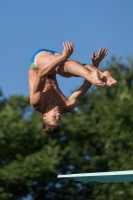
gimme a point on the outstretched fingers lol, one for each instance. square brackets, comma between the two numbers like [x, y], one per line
[100, 51]
[68, 49]
[103, 52]
[68, 46]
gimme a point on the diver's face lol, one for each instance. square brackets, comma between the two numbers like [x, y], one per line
[53, 116]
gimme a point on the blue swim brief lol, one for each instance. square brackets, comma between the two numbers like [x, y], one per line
[33, 57]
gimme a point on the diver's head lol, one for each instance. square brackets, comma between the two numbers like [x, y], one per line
[52, 120]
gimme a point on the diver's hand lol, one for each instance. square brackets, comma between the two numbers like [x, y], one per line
[96, 59]
[68, 49]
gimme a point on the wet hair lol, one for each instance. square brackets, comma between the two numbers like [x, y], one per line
[51, 129]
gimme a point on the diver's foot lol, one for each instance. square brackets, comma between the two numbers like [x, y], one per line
[107, 78]
[96, 79]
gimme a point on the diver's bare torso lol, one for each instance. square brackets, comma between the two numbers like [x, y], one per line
[51, 93]
[48, 56]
